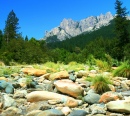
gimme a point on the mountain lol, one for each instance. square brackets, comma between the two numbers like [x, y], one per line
[69, 28]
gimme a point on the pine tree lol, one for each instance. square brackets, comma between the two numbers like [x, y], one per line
[11, 27]
[121, 29]
[26, 38]
[121, 24]
[1, 38]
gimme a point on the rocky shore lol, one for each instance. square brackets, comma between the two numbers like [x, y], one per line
[36, 92]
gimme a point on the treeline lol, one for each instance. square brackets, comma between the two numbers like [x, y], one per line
[112, 40]
[81, 40]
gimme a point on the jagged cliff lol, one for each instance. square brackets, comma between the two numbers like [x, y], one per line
[69, 28]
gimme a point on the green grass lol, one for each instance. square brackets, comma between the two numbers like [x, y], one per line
[100, 83]
[123, 70]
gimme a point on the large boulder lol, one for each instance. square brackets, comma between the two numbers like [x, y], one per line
[59, 75]
[70, 88]
[120, 106]
[45, 95]
[33, 71]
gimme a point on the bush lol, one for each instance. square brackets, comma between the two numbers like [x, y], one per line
[103, 65]
[123, 70]
[100, 84]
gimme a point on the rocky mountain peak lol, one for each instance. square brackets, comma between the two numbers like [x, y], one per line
[69, 28]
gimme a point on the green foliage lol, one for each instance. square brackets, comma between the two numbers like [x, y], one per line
[75, 66]
[103, 65]
[121, 28]
[26, 38]
[7, 70]
[123, 70]
[11, 27]
[28, 80]
[100, 84]
[90, 60]
[1, 38]
[80, 41]
[85, 48]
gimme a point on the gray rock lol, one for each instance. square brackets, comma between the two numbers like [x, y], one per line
[126, 93]
[7, 101]
[78, 113]
[51, 112]
[72, 77]
[92, 98]
[98, 109]
[9, 88]
[119, 106]
[12, 111]
[20, 94]
[3, 84]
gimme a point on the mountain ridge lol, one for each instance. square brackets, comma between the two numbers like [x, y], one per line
[69, 28]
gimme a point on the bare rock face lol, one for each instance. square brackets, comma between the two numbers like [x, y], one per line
[69, 28]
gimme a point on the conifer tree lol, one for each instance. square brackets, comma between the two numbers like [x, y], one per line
[26, 38]
[121, 29]
[11, 27]
[1, 38]
[121, 24]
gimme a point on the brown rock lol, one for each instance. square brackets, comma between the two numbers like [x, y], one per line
[11, 111]
[59, 75]
[109, 96]
[32, 71]
[66, 110]
[45, 95]
[1, 105]
[3, 78]
[33, 113]
[112, 88]
[70, 88]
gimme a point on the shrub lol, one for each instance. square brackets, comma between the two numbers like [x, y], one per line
[103, 65]
[100, 84]
[2, 63]
[123, 70]
[74, 66]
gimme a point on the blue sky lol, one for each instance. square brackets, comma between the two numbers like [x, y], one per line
[38, 16]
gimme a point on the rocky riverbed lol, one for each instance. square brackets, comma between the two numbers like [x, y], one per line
[36, 92]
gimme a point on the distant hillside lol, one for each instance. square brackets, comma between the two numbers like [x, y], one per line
[81, 40]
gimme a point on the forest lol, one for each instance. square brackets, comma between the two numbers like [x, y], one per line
[112, 41]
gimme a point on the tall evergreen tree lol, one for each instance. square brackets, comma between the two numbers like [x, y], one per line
[11, 27]
[26, 38]
[1, 38]
[121, 24]
[121, 29]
